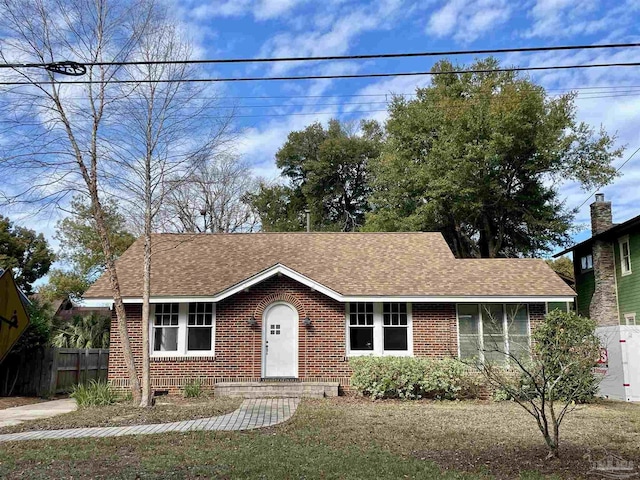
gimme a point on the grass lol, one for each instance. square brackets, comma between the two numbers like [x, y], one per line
[348, 438]
[167, 409]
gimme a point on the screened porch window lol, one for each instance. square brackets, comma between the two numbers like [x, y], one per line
[493, 332]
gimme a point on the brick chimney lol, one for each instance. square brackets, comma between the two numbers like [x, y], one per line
[604, 303]
[601, 217]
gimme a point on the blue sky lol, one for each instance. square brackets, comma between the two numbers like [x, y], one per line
[245, 28]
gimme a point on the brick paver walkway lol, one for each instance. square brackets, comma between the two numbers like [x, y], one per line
[254, 413]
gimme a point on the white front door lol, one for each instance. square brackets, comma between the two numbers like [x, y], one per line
[280, 346]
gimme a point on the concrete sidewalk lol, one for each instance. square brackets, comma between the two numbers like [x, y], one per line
[35, 411]
[253, 413]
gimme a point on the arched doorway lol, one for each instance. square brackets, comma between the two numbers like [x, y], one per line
[280, 341]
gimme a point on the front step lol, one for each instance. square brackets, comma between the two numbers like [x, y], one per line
[277, 389]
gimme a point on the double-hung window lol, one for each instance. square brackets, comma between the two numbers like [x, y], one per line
[379, 328]
[629, 319]
[165, 327]
[625, 255]
[493, 332]
[394, 326]
[183, 329]
[200, 326]
[361, 326]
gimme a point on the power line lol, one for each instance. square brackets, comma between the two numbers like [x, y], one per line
[629, 89]
[205, 108]
[337, 57]
[333, 77]
[617, 170]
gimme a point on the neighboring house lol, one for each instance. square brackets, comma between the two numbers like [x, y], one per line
[248, 307]
[607, 273]
[608, 287]
[64, 309]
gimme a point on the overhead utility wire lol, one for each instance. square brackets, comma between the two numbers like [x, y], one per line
[628, 88]
[333, 77]
[587, 96]
[336, 57]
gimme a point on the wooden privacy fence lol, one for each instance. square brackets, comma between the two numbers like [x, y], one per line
[50, 370]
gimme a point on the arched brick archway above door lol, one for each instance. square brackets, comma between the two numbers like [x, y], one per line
[280, 297]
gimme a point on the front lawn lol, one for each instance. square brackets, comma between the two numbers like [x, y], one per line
[349, 438]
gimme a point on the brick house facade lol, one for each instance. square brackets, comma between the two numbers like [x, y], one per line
[423, 326]
[322, 346]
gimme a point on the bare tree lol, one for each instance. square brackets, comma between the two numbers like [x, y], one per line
[61, 133]
[212, 198]
[549, 376]
[162, 140]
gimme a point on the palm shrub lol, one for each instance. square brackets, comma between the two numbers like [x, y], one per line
[94, 393]
[90, 331]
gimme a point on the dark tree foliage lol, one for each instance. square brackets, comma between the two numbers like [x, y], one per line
[327, 172]
[477, 156]
[80, 242]
[25, 253]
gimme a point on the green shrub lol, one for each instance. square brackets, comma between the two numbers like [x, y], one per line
[567, 346]
[412, 378]
[95, 393]
[193, 388]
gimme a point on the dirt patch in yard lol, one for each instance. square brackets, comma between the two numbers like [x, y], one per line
[10, 402]
[167, 409]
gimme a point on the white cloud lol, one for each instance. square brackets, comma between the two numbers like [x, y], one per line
[331, 37]
[260, 9]
[568, 18]
[468, 20]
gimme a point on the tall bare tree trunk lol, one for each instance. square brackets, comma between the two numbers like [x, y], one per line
[146, 287]
[121, 316]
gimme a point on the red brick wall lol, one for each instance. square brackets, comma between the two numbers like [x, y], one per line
[435, 332]
[238, 346]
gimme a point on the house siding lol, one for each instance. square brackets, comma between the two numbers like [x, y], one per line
[628, 285]
[585, 283]
[322, 347]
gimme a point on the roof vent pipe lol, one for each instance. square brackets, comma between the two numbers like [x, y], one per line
[308, 214]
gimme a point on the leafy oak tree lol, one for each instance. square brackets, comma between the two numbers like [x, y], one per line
[477, 156]
[327, 170]
[25, 252]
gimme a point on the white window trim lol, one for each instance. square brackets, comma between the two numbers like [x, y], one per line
[505, 327]
[623, 270]
[587, 269]
[183, 315]
[630, 319]
[378, 333]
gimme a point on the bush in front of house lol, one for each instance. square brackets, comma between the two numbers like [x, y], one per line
[412, 378]
[93, 394]
[193, 388]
